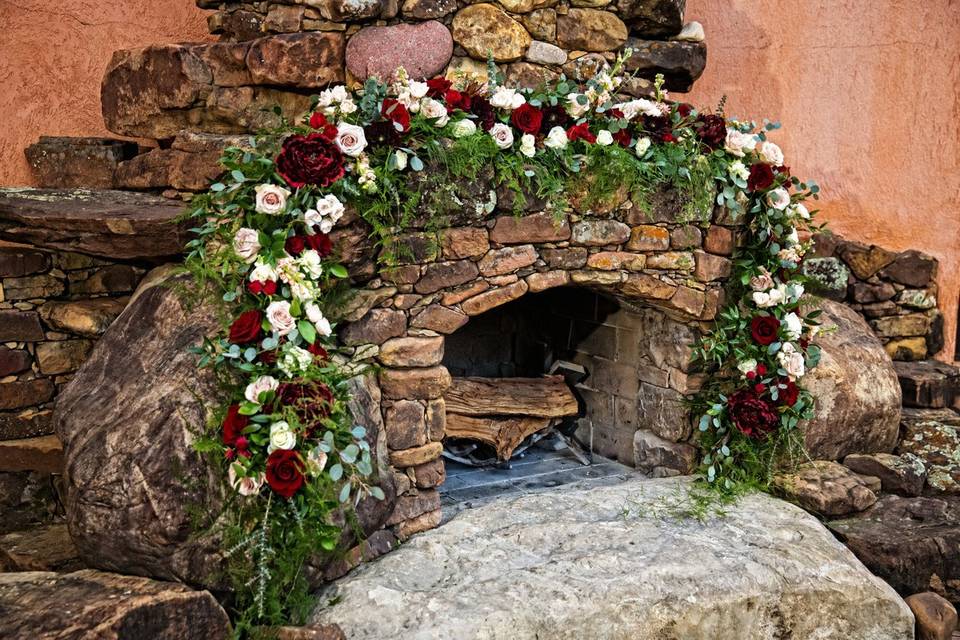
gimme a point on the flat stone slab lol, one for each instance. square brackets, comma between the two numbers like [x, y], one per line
[119, 225]
[615, 562]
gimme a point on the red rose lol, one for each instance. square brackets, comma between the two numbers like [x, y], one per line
[311, 159]
[751, 415]
[761, 176]
[267, 288]
[321, 243]
[295, 245]
[684, 110]
[246, 328]
[396, 112]
[581, 132]
[233, 425]
[436, 87]
[457, 100]
[284, 472]
[623, 137]
[712, 130]
[327, 129]
[527, 118]
[382, 134]
[764, 329]
[789, 393]
[318, 351]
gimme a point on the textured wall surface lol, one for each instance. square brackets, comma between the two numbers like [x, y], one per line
[867, 92]
[53, 54]
[869, 96]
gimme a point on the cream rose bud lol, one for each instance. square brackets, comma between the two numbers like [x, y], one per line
[769, 152]
[246, 244]
[778, 198]
[281, 437]
[258, 386]
[270, 199]
[739, 143]
[309, 262]
[348, 106]
[350, 139]
[262, 273]
[528, 145]
[747, 366]
[574, 106]
[792, 361]
[320, 322]
[463, 128]
[244, 485]
[278, 315]
[800, 211]
[604, 138]
[792, 237]
[642, 145]
[418, 89]
[556, 138]
[401, 159]
[762, 282]
[502, 135]
[767, 299]
[793, 326]
[431, 108]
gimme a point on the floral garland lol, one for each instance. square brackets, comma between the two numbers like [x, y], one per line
[290, 450]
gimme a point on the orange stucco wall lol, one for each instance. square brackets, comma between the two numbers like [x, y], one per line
[868, 92]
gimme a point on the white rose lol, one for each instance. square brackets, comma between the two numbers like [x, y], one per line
[281, 437]
[309, 262]
[417, 89]
[339, 93]
[739, 143]
[767, 299]
[502, 134]
[769, 152]
[792, 361]
[431, 108]
[799, 210]
[574, 107]
[747, 366]
[556, 138]
[246, 244]
[258, 386]
[527, 145]
[350, 139]
[642, 145]
[738, 170]
[262, 273]
[604, 138]
[245, 486]
[506, 98]
[271, 199]
[778, 198]
[463, 128]
[278, 315]
[793, 325]
[401, 159]
[316, 461]
[795, 290]
[320, 322]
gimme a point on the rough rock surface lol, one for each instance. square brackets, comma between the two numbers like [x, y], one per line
[422, 49]
[604, 562]
[826, 488]
[912, 543]
[936, 617]
[91, 604]
[903, 475]
[856, 388]
[110, 224]
[128, 419]
[934, 437]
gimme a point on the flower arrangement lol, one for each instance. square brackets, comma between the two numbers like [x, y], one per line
[291, 452]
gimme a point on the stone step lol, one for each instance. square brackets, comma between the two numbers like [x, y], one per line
[44, 548]
[43, 453]
[111, 224]
[928, 384]
[60, 162]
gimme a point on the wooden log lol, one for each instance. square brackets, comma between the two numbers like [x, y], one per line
[503, 433]
[547, 397]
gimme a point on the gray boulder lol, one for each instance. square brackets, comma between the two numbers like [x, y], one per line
[613, 562]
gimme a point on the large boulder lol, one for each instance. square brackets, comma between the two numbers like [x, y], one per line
[856, 389]
[140, 499]
[611, 562]
[90, 604]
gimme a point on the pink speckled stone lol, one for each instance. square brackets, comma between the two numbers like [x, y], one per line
[422, 49]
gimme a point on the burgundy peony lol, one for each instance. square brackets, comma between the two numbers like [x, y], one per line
[311, 159]
[712, 130]
[555, 116]
[326, 128]
[761, 177]
[752, 415]
[396, 112]
[659, 128]
[764, 329]
[581, 132]
[481, 107]
[382, 134]
[246, 328]
[233, 425]
[684, 109]
[437, 87]
[312, 400]
[285, 472]
[527, 118]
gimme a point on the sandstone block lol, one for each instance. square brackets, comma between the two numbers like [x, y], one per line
[710, 267]
[681, 63]
[686, 237]
[507, 260]
[65, 162]
[545, 53]
[719, 240]
[430, 474]
[672, 260]
[537, 227]
[303, 60]
[13, 361]
[440, 319]
[428, 9]
[404, 421]
[641, 285]
[43, 453]
[653, 18]
[599, 233]
[417, 384]
[649, 238]
[412, 458]
[412, 352]
[570, 258]
[590, 30]
[493, 298]
[436, 419]
[909, 349]
[547, 280]
[421, 523]
[903, 475]
[376, 327]
[84, 317]
[62, 356]
[464, 242]
[25, 393]
[22, 261]
[936, 617]
[913, 324]
[441, 275]
[911, 268]
[826, 488]
[865, 261]
[617, 260]
[27, 287]
[484, 29]
[929, 383]
[652, 453]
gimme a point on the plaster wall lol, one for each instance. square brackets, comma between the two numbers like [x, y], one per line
[868, 93]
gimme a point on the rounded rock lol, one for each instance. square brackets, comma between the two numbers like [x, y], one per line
[422, 49]
[484, 29]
